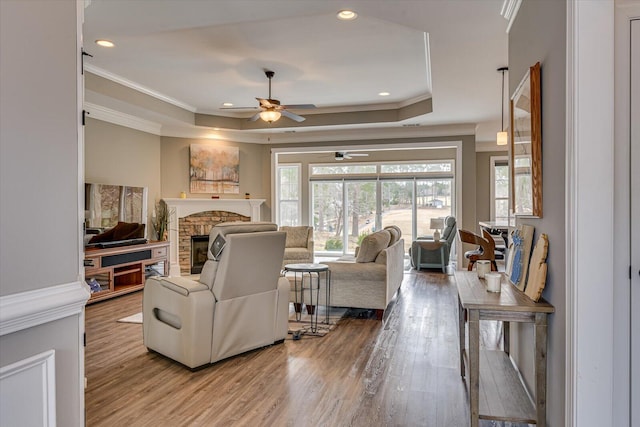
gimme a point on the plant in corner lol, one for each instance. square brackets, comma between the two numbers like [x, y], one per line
[160, 220]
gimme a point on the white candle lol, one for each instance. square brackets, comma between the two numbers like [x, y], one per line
[493, 281]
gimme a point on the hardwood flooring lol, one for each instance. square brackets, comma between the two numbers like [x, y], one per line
[400, 372]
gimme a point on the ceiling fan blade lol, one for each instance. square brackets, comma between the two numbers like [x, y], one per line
[265, 103]
[292, 116]
[255, 117]
[239, 108]
[299, 106]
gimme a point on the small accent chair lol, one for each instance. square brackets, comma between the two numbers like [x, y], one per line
[485, 250]
[427, 253]
[298, 248]
[238, 303]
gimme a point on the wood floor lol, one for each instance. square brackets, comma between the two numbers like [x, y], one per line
[403, 372]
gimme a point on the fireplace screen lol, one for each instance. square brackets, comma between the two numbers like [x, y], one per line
[199, 247]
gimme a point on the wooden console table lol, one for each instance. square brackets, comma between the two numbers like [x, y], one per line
[124, 269]
[496, 391]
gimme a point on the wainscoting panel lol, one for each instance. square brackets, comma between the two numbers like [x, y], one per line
[28, 392]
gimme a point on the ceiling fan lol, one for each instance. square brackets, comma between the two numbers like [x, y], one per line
[272, 109]
[342, 155]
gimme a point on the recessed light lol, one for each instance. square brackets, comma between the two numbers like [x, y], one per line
[105, 43]
[227, 104]
[384, 94]
[347, 15]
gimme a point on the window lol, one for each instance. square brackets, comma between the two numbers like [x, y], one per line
[350, 201]
[288, 191]
[499, 189]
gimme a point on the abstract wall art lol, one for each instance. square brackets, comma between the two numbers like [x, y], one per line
[214, 169]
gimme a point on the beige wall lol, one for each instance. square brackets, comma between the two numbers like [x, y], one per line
[255, 177]
[122, 156]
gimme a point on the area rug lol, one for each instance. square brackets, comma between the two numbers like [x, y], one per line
[134, 318]
[303, 326]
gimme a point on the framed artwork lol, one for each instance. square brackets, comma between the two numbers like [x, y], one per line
[214, 169]
[526, 146]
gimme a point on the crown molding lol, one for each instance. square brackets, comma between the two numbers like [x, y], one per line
[510, 11]
[105, 114]
[133, 85]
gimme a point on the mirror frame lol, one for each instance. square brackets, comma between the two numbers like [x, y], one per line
[530, 81]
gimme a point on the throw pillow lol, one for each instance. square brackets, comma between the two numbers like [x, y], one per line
[372, 245]
[395, 233]
[296, 236]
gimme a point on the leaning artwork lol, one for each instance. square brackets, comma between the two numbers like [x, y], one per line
[214, 169]
[519, 252]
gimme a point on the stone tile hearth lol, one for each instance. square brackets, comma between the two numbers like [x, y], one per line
[199, 224]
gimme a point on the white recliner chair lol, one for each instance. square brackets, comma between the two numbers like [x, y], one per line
[239, 302]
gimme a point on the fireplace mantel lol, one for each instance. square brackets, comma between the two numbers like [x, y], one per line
[180, 208]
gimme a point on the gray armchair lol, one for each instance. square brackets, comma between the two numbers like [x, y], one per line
[427, 253]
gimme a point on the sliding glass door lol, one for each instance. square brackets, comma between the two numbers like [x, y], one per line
[348, 202]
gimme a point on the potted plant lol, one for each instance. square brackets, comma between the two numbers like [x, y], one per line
[160, 220]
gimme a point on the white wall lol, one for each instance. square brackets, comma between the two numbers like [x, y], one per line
[41, 291]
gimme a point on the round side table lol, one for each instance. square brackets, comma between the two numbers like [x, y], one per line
[313, 274]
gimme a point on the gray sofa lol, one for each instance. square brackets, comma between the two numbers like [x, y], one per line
[372, 278]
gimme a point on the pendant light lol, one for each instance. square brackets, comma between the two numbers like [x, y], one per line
[502, 135]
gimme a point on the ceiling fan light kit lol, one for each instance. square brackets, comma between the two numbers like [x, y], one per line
[270, 115]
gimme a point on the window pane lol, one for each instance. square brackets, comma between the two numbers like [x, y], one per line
[417, 167]
[361, 199]
[289, 213]
[328, 226]
[397, 202]
[434, 200]
[502, 210]
[289, 195]
[502, 181]
[342, 170]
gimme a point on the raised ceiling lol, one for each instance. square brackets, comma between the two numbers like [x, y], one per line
[436, 58]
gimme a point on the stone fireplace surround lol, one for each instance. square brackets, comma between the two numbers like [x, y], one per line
[189, 217]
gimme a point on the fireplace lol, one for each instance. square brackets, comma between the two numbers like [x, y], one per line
[199, 248]
[195, 217]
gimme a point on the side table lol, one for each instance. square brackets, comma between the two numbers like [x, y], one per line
[313, 274]
[501, 395]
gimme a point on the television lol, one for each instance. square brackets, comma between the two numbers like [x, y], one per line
[106, 204]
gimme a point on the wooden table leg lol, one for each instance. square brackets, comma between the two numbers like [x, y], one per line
[461, 336]
[540, 328]
[506, 338]
[474, 366]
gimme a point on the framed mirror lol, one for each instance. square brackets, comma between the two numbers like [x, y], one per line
[526, 146]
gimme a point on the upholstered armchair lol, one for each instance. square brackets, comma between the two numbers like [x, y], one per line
[298, 248]
[427, 253]
[238, 303]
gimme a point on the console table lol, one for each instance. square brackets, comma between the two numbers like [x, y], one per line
[496, 391]
[124, 269]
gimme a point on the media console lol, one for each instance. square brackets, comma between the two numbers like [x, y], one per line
[120, 270]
